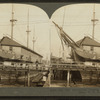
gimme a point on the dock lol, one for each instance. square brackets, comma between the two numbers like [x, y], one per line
[86, 71]
[33, 77]
[26, 76]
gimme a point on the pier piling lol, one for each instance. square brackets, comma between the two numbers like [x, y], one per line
[28, 78]
[49, 77]
[25, 79]
[68, 78]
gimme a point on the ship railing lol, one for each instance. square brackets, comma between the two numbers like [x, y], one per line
[19, 65]
[74, 66]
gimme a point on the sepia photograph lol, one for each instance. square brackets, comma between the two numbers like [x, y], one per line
[39, 50]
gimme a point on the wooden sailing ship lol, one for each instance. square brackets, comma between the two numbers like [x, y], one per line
[81, 57]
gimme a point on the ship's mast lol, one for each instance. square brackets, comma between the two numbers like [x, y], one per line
[28, 31]
[34, 40]
[59, 52]
[63, 54]
[12, 22]
[94, 20]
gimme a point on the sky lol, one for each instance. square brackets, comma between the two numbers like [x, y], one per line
[38, 25]
[75, 20]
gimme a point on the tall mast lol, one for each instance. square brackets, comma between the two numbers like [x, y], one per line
[93, 20]
[12, 22]
[34, 40]
[63, 54]
[28, 31]
[59, 52]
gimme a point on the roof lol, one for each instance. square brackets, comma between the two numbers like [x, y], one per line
[87, 41]
[9, 42]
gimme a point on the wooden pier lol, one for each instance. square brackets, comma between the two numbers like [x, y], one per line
[28, 75]
[68, 68]
[75, 67]
[32, 76]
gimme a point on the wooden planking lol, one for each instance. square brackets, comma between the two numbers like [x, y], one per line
[8, 68]
[75, 67]
[37, 78]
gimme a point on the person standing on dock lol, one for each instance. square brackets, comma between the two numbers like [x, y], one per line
[36, 64]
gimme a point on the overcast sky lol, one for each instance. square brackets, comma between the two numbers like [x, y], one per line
[38, 24]
[75, 19]
[76, 22]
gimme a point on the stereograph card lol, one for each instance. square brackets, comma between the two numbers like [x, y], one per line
[49, 48]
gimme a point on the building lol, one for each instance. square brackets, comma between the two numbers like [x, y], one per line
[88, 43]
[8, 44]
